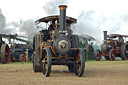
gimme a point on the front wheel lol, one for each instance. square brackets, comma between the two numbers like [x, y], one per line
[80, 63]
[46, 61]
[112, 55]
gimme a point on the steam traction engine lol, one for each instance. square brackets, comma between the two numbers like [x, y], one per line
[4, 52]
[88, 43]
[57, 45]
[16, 52]
[114, 46]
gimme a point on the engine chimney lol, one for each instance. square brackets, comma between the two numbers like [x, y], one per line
[105, 36]
[62, 18]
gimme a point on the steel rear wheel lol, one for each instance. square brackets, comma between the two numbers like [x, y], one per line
[124, 51]
[98, 55]
[35, 68]
[80, 63]
[36, 56]
[112, 55]
[46, 62]
[5, 54]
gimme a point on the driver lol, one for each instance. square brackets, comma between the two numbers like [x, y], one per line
[52, 26]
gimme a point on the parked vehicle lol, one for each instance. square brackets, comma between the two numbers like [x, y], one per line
[19, 52]
[90, 47]
[115, 45]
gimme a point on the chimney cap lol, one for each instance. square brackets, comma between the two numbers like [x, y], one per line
[105, 31]
[62, 6]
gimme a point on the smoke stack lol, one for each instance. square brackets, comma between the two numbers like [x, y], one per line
[105, 36]
[62, 18]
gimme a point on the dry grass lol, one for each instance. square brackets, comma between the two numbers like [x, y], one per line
[96, 73]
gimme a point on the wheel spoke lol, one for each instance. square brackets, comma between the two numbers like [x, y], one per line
[112, 55]
[80, 63]
[46, 62]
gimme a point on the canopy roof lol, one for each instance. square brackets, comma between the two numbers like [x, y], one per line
[88, 37]
[116, 35]
[55, 17]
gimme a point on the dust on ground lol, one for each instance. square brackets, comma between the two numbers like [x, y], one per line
[96, 73]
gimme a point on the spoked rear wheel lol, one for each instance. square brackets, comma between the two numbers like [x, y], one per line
[46, 62]
[35, 67]
[80, 63]
[5, 54]
[36, 56]
[124, 51]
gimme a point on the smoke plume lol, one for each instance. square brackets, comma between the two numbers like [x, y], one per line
[7, 28]
[87, 24]
[51, 7]
[2, 22]
[28, 27]
[90, 23]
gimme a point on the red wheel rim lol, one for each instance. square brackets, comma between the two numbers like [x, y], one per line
[23, 58]
[98, 55]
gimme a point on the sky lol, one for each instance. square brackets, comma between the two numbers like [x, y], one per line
[93, 16]
[26, 9]
[21, 9]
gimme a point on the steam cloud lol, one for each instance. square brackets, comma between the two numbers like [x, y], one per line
[2, 22]
[28, 27]
[7, 27]
[51, 7]
[86, 23]
[90, 23]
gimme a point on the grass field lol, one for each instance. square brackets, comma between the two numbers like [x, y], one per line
[96, 73]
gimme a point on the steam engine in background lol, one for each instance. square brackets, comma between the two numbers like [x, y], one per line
[88, 43]
[115, 45]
